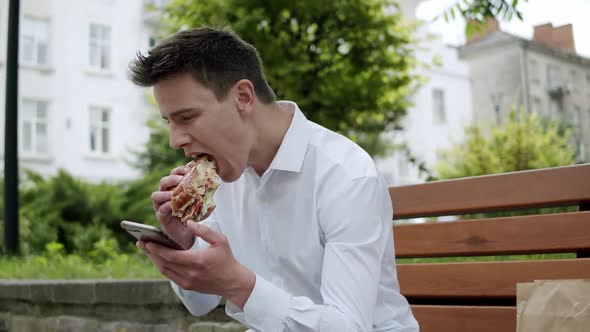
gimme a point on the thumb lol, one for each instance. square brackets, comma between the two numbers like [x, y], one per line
[210, 236]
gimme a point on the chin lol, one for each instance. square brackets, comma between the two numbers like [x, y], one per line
[228, 179]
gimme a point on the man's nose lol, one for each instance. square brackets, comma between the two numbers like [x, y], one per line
[178, 139]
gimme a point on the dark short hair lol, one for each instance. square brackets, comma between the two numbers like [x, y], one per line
[216, 58]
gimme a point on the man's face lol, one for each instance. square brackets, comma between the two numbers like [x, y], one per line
[200, 123]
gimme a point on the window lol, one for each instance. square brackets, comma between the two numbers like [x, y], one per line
[100, 124]
[555, 108]
[535, 74]
[33, 127]
[152, 41]
[34, 41]
[553, 76]
[100, 46]
[576, 116]
[438, 106]
[574, 80]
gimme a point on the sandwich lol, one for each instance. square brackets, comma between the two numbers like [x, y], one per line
[192, 199]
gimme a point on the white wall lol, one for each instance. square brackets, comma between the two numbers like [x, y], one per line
[71, 87]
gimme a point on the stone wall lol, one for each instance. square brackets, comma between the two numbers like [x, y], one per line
[101, 305]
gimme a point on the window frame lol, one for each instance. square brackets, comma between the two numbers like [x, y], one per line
[34, 121]
[100, 126]
[36, 42]
[439, 109]
[535, 72]
[100, 43]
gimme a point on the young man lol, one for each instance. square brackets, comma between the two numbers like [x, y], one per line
[301, 239]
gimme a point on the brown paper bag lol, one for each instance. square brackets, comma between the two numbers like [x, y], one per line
[553, 305]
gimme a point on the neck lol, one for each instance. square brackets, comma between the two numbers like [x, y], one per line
[271, 123]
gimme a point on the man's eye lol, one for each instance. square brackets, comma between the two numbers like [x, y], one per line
[186, 117]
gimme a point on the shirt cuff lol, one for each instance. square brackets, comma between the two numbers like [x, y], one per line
[267, 306]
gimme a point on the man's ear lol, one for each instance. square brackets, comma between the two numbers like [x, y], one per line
[245, 97]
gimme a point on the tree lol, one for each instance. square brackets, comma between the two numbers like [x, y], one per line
[524, 141]
[476, 12]
[346, 63]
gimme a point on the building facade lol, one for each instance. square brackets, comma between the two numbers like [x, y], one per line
[441, 107]
[543, 75]
[77, 109]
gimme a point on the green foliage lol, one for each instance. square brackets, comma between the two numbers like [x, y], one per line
[476, 12]
[137, 203]
[522, 142]
[346, 63]
[80, 215]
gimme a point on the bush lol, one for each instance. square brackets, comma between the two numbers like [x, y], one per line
[68, 211]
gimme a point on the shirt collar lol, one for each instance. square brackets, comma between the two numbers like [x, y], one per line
[293, 148]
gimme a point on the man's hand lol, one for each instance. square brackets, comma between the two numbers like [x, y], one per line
[161, 202]
[212, 270]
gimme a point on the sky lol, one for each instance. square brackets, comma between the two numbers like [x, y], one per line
[534, 12]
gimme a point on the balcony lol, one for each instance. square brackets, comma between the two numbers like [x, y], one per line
[558, 90]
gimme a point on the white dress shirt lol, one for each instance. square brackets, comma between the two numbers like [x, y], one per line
[316, 230]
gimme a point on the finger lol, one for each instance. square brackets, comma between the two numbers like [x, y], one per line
[180, 170]
[160, 197]
[210, 236]
[174, 258]
[165, 209]
[174, 276]
[169, 182]
[168, 269]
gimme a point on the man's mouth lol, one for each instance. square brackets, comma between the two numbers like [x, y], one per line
[194, 156]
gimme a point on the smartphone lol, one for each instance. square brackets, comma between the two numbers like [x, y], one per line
[149, 234]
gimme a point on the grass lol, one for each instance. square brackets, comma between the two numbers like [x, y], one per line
[121, 266]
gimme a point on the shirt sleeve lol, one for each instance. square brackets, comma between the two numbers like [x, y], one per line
[199, 304]
[355, 219]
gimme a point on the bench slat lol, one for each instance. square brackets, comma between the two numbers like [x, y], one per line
[464, 318]
[492, 280]
[548, 187]
[559, 232]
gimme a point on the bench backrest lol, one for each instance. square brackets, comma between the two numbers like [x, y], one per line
[481, 295]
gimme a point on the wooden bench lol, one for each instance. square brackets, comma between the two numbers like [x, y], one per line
[481, 296]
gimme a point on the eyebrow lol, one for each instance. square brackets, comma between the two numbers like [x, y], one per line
[180, 111]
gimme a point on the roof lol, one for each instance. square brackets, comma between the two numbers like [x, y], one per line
[497, 39]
